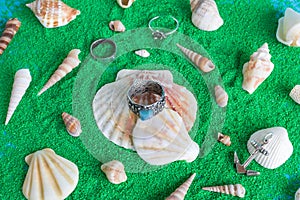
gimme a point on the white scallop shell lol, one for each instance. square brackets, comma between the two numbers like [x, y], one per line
[297, 195]
[295, 94]
[143, 53]
[114, 171]
[182, 190]
[125, 3]
[164, 139]
[234, 190]
[49, 176]
[279, 147]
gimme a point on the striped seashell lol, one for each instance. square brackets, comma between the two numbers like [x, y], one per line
[203, 63]
[21, 83]
[234, 190]
[114, 171]
[53, 13]
[297, 195]
[69, 63]
[221, 96]
[117, 26]
[225, 139]
[125, 3]
[72, 124]
[295, 94]
[181, 191]
[143, 53]
[11, 28]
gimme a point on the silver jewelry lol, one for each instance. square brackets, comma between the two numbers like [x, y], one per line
[157, 34]
[103, 41]
[140, 87]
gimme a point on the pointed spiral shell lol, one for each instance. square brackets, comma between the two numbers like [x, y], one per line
[11, 28]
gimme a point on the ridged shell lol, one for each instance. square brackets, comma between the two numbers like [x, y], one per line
[203, 63]
[288, 31]
[295, 94]
[257, 69]
[221, 96]
[117, 26]
[164, 139]
[49, 176]
[181, 191]
[125, 3]
[297, 195]
[225, 139]
[72, 124]
[279, 147]
[114, 171]
[205, 15]
[69, 63]
[143, 53]
[21, 83]
[234, 190]
[11, 28]
[53, 13]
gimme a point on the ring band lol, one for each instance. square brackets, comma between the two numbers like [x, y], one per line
[139, 88]
[103, 41]
[159, 34]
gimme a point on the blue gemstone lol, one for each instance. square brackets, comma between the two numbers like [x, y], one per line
[146, 114]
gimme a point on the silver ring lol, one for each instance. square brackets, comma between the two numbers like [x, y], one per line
[159, 34]
[143, 109]
[103, 41]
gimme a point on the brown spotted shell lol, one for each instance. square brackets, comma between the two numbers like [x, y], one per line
[11, 28]
[72, 124]
[114, 171]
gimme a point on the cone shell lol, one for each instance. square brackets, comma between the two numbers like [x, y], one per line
[21, 83]
[225, 139]
[288, 31]
[203, 63]
[53, 13]
[125, 3]
[234, 190]
[49, 176]
[279, 147]
[69, 63]
[11, 28]
[257, 69]
[297, 195]
[295, 94]
[205, 15]
[117, 26]
[181, 191]
[72, 124]
[143, 53]
[221, 96]
[114, 171]
[164, 139]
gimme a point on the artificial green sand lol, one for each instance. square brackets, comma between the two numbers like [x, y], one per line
[37, 123]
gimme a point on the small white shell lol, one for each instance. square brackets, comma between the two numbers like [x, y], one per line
[117, 26]
[125, 3]
[114, 171]
[221, 96]
[143, 53]
[234, 190]
[295, 94]
[279, 147]
[181, 191]
[297, 195]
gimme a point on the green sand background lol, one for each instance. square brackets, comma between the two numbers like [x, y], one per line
[37, 123]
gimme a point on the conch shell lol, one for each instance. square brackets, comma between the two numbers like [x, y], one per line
[221, 96]
[53, 13]
[225, 139]
[11, 28]
[257, 69]
[114, 171]
[117, 26]
[234, 190]
[69, 63]
[21, 83]
[72, 124]
[125, 3]
[206, 15]
[288, 31]
[295, 94]
[181, 191]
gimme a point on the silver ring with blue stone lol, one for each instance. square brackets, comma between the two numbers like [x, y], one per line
[140, 87]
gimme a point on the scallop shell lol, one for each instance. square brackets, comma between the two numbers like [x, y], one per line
[279, 147]
[143, 53]
[257, 69]
[69, 63]
[72, 124]
[114, 171]
[21, 83]
[288, 31]
[297, 195]
[234, 190]
[125, 3]
[221, 96]
[225, 139]
[11, 28]
[53, 13]
[181, 191]
[206, 15]
[203, 63]
[49, 176]
[117, 26]
[164, 139]
[295, 94]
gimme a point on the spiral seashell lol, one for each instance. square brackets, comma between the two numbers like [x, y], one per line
[72, 124]
[53, 13]
[295, 94]
[117, 26]
[21, 83]
[114, 171]
[221, 96]
[69, 63]
[125, 3]
[234, 190]
[181, 191]
[257, 69]
[49, 176]
[205, 15]
[11, 28]
[225, 139]
[297, 195]
[143, 53]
